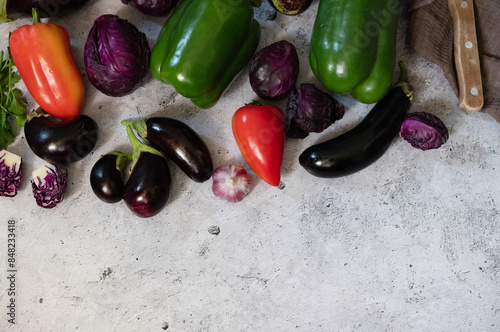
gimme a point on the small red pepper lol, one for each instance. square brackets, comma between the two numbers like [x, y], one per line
[259, 131]
[42, 55]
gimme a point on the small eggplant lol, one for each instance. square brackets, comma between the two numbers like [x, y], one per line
[148, 187]
[60, 141]
[178, 142]
[365, 143]
[106, 178]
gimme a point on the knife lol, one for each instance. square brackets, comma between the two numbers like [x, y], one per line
[467, 55]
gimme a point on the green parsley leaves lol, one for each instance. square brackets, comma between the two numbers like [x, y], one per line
[12, 102]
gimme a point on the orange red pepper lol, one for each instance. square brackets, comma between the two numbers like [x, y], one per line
[43, 56]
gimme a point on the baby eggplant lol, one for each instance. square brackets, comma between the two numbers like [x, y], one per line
[60, 141]
[148, 188]
[365, 143]
[178, 142]
[106, 177]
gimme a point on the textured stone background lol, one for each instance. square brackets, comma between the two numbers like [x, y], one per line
[411, 243]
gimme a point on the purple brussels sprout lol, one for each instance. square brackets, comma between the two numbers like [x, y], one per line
[10, 173]
[424, 131]
[49, 185]
[274, 70]
[152, 7]
[116, 56]
[310, 109]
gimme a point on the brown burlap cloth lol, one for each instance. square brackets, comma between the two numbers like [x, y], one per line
[430, 33]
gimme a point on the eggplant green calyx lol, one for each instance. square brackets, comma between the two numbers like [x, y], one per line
[122, 159]
[38, 113]
[139, 126]
[139, 147]
[403, 81]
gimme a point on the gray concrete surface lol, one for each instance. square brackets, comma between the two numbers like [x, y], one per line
[409, 244]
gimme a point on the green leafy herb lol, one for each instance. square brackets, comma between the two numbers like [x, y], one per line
[12, 102]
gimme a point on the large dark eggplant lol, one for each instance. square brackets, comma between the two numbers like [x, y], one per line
[106, 176]
[46, 8]
[365, 143]
[60, 141]
[179, 142]
[148, 187]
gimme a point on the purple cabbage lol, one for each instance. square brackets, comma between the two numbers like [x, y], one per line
[116, 56]
[424, 131]
[290, 7]
[310, 109]
[152, 7]
[49, 185]
[274, 70]
[10, 173]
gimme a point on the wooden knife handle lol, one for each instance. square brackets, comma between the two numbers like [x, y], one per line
[467, 55]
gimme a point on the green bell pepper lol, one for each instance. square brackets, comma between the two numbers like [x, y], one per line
[353, 47]
[203, 45]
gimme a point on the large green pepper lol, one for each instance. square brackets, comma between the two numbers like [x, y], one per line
[203, 45]
[353, 47]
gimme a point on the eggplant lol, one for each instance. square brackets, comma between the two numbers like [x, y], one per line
[106, 176]
[46, 8]
[365, 143]
[179, 142]
[147, 190]
[60, 141]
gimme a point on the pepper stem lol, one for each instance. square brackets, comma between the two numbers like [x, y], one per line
[139, 147]
[3, 12]
[36, 17]
[254, 102]
[403, 81]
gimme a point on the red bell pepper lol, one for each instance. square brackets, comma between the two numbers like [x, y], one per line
[42, 54]
[259, 131]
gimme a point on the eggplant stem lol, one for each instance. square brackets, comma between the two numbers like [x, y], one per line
[139, 126]
[139, 147]
[403, 81]
[122, 159]
[37, 113]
